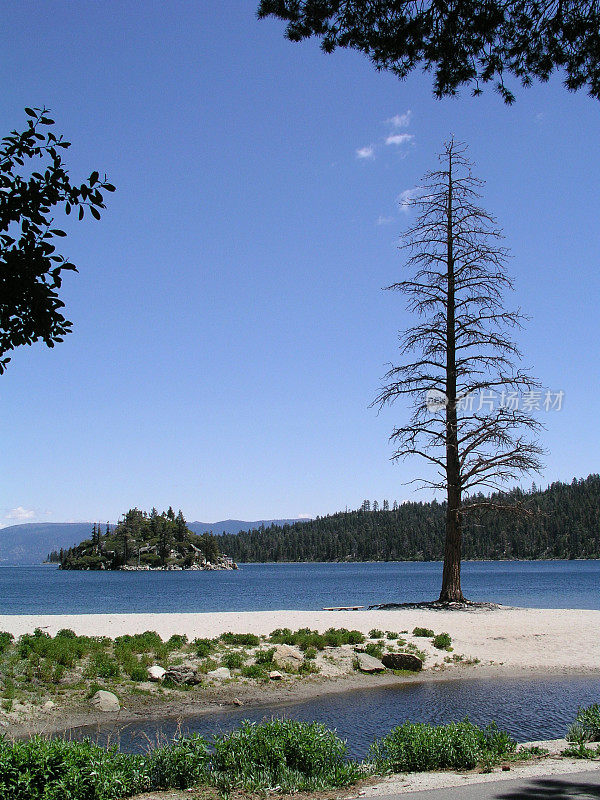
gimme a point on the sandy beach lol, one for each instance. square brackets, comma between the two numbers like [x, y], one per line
[517, 638]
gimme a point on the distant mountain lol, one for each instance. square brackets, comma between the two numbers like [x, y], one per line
[31, 542]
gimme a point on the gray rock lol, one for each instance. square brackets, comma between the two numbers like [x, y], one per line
[182, 674]
[274, 675]
[156, 672]
[220, 672]
[367, 663]
[287, 656]
[105, 701]
[49, 704]
[402, 661]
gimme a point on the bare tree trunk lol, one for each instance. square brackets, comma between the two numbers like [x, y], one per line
[451, 590]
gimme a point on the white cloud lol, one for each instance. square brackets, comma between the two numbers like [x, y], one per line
[399, 138]
[19, 513]
[366, 152]
[304, 516]
[381, 220]
[406, 198]
[401, 120]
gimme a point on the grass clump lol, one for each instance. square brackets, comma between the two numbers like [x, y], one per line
[374, 649]
[256, 671]
[233, 660]
[203, 647]
[375, 633]
[442, 641]
[265, 656]
[419, 747]
[287, 754]
[586, 727]
[247, 639]
[424, 632]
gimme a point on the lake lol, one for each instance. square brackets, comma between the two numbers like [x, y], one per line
[530, 709]
[263, 587]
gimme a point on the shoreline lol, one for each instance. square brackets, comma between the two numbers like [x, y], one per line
[510, 643]
[222, 699]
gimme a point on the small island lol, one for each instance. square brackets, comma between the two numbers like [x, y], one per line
[145, 541]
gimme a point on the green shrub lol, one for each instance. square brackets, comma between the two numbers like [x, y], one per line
[310, 653]
[287, 754]
[254, 671]
[442, 641]
[233, 660]
[138, 672]
[392, 636]
[265, 656]
[207, 665]
[248, 639]
[6, 640]
[67, 633]
[375, 633]
[374, 650]
[418, 747]
[586, 727]
[183, 764]
[103, 666]
[177, 641]
[203, 647]
[282, 636]
[308, 667]
[426, 632]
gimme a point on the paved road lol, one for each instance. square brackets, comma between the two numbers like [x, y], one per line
[573, 786]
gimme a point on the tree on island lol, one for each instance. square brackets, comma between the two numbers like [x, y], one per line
[466, 42]
[469, 416]
[33, 182]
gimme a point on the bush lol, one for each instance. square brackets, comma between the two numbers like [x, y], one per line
[6, 640]
[288, 754]
[442, 641]
[374, 650]
[233, 660]
[183, 764]
[138, 672]
[418, 747]
[586, 727]
[254, 671]
[265, 656]
[103, 666]
[310, 653]
[203, 647]
[392, 636]
[248, 639]
[375, 633]
[426, 632]
[177, 641]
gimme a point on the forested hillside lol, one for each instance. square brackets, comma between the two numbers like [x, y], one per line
[564, 523]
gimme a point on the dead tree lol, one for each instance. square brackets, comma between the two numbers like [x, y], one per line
[470, 418]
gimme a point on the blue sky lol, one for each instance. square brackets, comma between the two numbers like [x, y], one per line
[229, 325]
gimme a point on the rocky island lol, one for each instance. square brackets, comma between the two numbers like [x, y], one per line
[146, 541]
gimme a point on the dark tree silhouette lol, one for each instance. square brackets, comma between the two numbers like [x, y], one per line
[33, 181]
[469, 417]
[463, 42]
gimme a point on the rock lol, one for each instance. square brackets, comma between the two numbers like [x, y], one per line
[287, 656]
[220, 672]
[402, 661]
[105, 701]
[156, 673]
[275, 675]
[182, 674]
[367, 663]
[237, 702]
[49, 704]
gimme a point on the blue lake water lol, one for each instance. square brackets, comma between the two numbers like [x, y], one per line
[262, 587]
[530, 709]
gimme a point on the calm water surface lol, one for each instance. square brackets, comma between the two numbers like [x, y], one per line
[529, 709]
[263, 587]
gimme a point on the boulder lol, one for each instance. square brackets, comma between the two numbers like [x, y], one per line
[287, 656]
[182, 674]
[220, 672]
[367, 663]
[156, 673]
[49, 704]
[105, 701]
[274, 675]
[402, 661]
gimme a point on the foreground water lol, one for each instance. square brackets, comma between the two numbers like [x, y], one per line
[530, 709]
[261, 587]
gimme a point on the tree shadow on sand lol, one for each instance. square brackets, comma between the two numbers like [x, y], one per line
[563, 788]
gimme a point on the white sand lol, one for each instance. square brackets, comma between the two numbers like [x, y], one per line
[553, 639]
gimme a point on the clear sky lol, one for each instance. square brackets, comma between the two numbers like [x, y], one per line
[229, 325]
